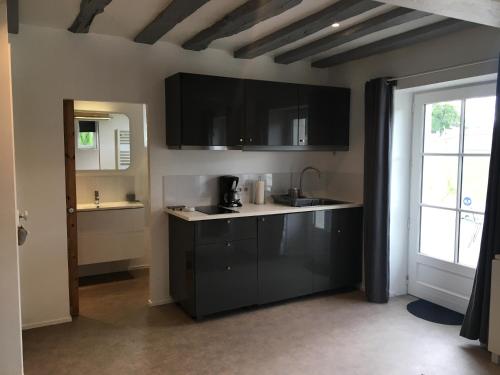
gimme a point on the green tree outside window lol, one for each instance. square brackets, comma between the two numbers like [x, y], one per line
[444, 116]
[86, 140]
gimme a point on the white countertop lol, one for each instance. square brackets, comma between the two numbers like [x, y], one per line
[250, 209]
[108, 206]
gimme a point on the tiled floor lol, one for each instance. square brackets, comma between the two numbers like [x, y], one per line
[118, 333]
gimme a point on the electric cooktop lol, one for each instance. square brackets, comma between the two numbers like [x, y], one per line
[214, 210]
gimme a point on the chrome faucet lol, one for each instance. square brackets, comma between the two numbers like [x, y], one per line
[302, 175]
[96, 198]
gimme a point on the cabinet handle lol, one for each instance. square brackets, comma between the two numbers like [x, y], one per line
[228, 244]
[241, 140]
[228, 221]
[263, 219]
[228, 268]
[250, 140]
[339, 231]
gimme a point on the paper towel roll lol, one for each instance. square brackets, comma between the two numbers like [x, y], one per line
[259, 192]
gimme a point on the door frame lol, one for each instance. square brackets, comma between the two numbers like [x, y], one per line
[463, 275]
[71, 216]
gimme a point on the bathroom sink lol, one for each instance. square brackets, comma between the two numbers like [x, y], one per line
[285, 199]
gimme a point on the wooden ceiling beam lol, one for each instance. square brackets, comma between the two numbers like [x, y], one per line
[88, 10]
[398, 41]
[242, 18]
[173, 14]
[384, 21]
[337, 12]
[13, 16]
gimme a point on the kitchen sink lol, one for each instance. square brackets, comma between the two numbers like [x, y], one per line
[287, 200]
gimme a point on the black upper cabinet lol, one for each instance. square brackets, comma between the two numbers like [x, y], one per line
[272, 112]
[210, 111]
[207, 111]
[324, 115]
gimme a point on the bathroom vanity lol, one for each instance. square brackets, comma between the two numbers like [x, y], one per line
[110, 231]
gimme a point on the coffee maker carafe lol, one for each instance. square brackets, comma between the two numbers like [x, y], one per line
[228, 193]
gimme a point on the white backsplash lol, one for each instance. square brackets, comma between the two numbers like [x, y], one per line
[111, 188]
[199, 190]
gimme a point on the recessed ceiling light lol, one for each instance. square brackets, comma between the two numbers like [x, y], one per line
[336, 24]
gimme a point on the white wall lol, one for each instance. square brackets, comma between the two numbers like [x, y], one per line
[475, 44]
[400, 191]
[101, 68]
[11, 361]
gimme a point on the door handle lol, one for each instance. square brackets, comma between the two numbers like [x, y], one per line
[71, 210]
[22, 235]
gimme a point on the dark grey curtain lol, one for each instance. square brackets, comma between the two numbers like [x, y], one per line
[476, 322]
[378, 131]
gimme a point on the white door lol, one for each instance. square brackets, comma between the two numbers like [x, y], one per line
[452, 135]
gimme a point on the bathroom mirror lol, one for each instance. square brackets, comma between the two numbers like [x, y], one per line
[102, 141]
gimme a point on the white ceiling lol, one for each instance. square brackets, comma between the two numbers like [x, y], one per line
[126, 18]
[486, 12]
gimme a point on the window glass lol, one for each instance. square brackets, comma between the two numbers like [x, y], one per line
[87, 140]
[471, 230]
[439, 185]
[442, 127]
[463, 174]
[475, 182]
[479, 120]
[437, 233]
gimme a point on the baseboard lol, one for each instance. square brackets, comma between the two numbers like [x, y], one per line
[393, 294]
[47, 323]
[160, 302]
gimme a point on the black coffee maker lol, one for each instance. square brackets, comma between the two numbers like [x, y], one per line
[228, 193]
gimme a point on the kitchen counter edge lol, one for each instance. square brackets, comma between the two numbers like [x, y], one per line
[251, 209]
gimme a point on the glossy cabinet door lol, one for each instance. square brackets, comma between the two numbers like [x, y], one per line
[322, 243]
[284, 257]
[271, 114]
[325, 112]
[347, 258]
[211, 231]
[226, 276]
[181, 263]
[212, 110]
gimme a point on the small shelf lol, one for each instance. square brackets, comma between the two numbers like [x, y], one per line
[104, 206]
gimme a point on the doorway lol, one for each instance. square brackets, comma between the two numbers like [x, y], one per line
[107, 195]
[452, 134]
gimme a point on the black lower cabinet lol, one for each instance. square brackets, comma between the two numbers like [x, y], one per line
[347, 259]
[284, 257]
[336, 237]
[226, 276]
[322, 245]
[219, 265]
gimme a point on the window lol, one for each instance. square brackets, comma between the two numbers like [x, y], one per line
[87, 135]
[454, 160]
[87, 140]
